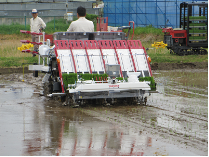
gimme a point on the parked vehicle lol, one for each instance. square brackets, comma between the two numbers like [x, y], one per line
[192, 36]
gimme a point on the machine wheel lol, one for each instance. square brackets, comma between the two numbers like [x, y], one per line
[203, 52]
[196, 51]
[181, 52]
[191, 52]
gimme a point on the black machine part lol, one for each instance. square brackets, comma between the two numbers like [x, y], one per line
[57, 87]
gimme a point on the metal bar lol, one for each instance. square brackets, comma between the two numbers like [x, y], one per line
[72, 56]
[115, 13]
[54, 23]
[132, 59]
[118, 61]
[145, 12]
[165, 13]
[102, 58]
[156, 13]
[60, 72]
[148, 62]
[25, 22]
[88, 60]
[176, 13]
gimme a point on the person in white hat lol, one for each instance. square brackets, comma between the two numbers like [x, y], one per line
[82, 24]
[36, 25]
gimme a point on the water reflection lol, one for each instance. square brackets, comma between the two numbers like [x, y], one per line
[72, 132]
[184, 83]
[16, 91]
[173, 123]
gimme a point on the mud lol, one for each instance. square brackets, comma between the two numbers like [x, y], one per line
[174, 66]
[174, 121]
[154, 66]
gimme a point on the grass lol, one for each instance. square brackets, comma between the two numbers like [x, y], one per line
[57, 25]
[163, 56]
[197, 17]
[11, 57]
[17, 61]
[197, 24]
[198, 37]
[197, 31]
[146, 30]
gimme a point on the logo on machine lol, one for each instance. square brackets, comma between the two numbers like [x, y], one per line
[113, 86]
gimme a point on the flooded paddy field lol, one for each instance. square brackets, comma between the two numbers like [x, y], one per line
[174, 121]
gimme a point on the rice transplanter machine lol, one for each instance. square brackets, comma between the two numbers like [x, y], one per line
[95, 67]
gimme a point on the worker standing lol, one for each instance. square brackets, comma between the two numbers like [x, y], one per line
[82, 24]
[36, 25]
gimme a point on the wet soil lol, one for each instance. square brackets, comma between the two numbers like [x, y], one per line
[174, 121]
[173, 66]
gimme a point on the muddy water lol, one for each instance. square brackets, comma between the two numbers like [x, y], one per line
[174, 122]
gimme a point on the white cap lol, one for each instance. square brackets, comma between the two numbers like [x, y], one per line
[34, 11]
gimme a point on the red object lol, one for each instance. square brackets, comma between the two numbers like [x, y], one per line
[35, 43]
[24, 41]
[102, 56]
[34, 52]
[135, 44]
[78, 44]
[27, 41]
[106, 44]
[28, 32]
[118, 60]
[148, 62]
[29, 51]
[120, 44]
[60, 73]
[102, 24]
[61, 44]
[49, 36]
[175, 33]
[91, 44]
[60, 138]
[133, 28]
[87, 55]
[23, 31]
[33, 33]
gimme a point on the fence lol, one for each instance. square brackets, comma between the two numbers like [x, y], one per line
[158, 13]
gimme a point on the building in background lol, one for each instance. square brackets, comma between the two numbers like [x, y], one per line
[158, 13]
[19, 11]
